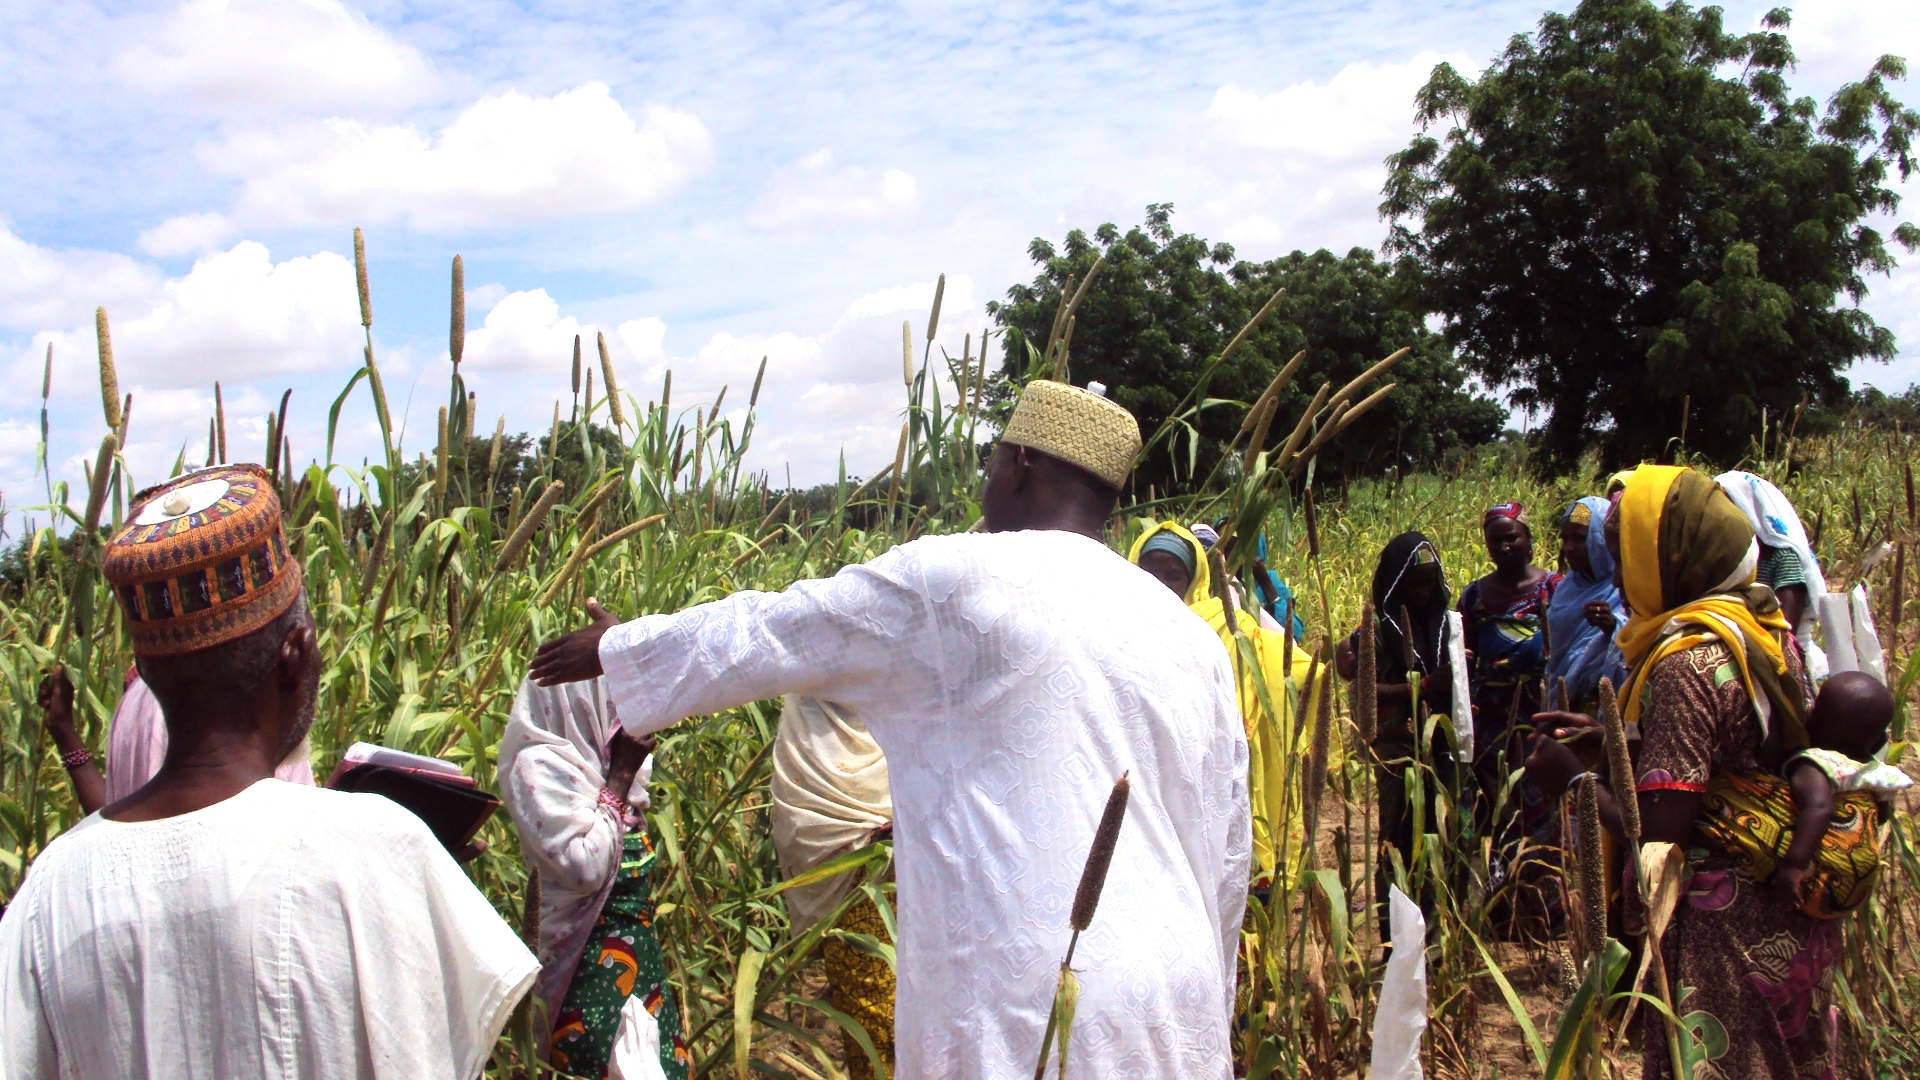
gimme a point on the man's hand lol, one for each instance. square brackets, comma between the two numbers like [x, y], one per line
[574, 657]
[56, 699]
[1599, 615]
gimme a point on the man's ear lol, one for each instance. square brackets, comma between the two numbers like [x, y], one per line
[296, 652]
[1020, 468]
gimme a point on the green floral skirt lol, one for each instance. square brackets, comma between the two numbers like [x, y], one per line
[622, 960]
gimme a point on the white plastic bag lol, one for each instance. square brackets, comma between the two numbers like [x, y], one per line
[1836, 632]
[1462, 695]
[1866, 640]
[1846, 625]
[1402, 1015]
[636, 1044]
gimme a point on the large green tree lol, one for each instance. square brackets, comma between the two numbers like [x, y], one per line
[1165, 302]
[1630, 217]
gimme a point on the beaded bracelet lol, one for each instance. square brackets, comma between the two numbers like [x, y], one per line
[613, 802]
[76, 758]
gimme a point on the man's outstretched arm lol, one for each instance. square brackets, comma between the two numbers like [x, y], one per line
[832, 637]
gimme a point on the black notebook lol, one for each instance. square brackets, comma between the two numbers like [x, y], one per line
[452, 807]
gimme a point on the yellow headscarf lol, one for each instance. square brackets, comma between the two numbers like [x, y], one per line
[1688, 557]
[1201, 587]
[1277, 742]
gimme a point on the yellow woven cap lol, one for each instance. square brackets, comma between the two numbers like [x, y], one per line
[1077, 426]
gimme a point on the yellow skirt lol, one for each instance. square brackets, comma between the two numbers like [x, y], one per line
[862, 987]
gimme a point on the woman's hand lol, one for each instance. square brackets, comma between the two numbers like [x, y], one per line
[624, 759]
[1566, 726]
[1786, 883]
[1551, 765]
[56, 701]
[574, 657]
[1600, 616]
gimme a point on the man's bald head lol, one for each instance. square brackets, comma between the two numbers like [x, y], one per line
[1851, 715]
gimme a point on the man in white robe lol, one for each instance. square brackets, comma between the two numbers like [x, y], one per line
[222, 924]
[1010, 676]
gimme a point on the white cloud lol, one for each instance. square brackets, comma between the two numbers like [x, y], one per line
[1836, 41]
[815, 190]
[17, 438]
[506, 158]
[1303, 165]
[840, 389]
[1361, 114]
[236, 315]
[42, 287]
[188, 234]
[524, 332]
[644, 339]
[313, 54]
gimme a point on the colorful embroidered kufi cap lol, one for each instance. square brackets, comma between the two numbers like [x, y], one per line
[203, 561]
[1077, 426]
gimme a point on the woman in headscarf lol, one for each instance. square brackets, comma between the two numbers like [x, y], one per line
[575, 784]
[1410, 635]
[830, 797]
[1721, 703]
[1277, 744]
[1270, 593]
[1587, 608]
[1502, 613]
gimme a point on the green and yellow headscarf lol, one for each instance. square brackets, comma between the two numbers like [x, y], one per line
[1688, 557]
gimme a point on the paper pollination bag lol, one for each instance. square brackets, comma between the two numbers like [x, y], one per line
[1848, 634]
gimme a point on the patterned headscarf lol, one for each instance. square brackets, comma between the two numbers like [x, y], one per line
[1512, 511]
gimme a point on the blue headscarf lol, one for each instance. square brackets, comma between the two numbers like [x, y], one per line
[1583, 654]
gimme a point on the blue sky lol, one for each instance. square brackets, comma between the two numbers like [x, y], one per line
[708, 184]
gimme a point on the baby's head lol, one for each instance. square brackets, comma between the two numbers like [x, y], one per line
[1850, 715]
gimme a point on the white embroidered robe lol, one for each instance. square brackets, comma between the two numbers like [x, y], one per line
[1010, 678]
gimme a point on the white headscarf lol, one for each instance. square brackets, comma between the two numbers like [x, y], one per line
[552, 758]
[829, 794]
[1777, 525]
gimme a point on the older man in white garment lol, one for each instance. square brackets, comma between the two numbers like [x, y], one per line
[1010, 676]
[221, 924]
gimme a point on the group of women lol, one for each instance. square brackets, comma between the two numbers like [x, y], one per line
[1685, 592]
